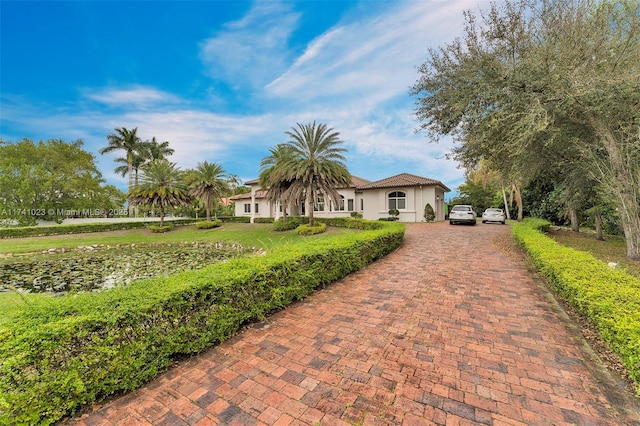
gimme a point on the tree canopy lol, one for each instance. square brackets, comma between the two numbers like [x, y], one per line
[545, 86]
[51, 180]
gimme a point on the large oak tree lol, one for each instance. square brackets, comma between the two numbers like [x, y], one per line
[538, 85]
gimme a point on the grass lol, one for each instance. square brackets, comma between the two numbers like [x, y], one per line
[613, 249]
[249, 235]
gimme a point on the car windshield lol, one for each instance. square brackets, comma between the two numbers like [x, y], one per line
[462, 208]
[494, 211]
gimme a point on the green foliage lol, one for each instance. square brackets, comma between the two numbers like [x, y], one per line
[429, 214]
[291, 222]
[50, 180]
[208, 184]
[162, 187]
[356, 215]
[394, 212]
[37, 231]
[609, 298]
[58, 355]
[209, 224]
[306, 229]
[158, 229]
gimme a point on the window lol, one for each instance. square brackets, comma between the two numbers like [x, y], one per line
[397, 200]
[247, 208]
[319, 207]
[341, 204]
[350, 204]
[361, 204]
[256, 208]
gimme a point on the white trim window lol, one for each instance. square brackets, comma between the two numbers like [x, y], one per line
[247, 208]
[397, 200]
[319, 206]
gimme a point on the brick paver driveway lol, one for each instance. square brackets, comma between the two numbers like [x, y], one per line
[446, 330]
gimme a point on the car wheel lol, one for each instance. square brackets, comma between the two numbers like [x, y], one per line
[484, 221]
[450, 222]
[502, 223]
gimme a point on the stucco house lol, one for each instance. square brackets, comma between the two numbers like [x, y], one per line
[406, 192]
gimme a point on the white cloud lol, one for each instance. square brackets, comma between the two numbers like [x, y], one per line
[252, 50]
[131, 97]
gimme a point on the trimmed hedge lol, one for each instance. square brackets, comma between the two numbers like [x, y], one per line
[609, 298]
[58, 355]
[317, 228]
[38, 231]
[209, 224]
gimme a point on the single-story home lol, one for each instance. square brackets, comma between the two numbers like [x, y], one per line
[407, 193]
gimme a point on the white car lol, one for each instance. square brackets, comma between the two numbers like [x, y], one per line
[493, 215]
[462, 214]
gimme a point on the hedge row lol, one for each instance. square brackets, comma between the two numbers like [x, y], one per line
[609, 298]
[38, 231]
[61, 354]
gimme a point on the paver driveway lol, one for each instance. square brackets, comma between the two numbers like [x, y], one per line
[446, 330]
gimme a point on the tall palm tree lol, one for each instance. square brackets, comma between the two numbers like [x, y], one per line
[316, 168]
[155, 150]
[274, 175]
[124, 140]
[162, 187]
[208, 183]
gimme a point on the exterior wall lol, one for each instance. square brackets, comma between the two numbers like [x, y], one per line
[330, 209]
[376, 204]
[371, 203]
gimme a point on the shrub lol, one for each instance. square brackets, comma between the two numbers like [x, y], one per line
[160, 229]
[58, 355]
[287, 224]
[356, 215]
[429, 214]
[208, 224]
[318, 228]
[608, 298]
[37, 231]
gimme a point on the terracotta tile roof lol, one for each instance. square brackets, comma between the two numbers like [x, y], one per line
[403, 179]
[247, 196]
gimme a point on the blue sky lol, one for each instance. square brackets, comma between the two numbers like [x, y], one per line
[223, 80]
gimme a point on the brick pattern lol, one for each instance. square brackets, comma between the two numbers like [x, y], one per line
[446, 330]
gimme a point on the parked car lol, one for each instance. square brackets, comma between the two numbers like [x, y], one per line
[462, 213]
[493, 215]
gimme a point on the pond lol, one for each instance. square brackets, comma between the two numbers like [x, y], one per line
[97, 268]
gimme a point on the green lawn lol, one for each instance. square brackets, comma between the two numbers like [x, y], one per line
[249, 235]
[613, 249]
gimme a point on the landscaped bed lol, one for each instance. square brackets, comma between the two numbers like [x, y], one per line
[607, 297]
[58, 355]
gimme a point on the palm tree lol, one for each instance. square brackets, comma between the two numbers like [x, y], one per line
[155, 150]
[316, 168]
[208, 183]
[127, 140]
[137, 161]
[162, 187]
[274, 175]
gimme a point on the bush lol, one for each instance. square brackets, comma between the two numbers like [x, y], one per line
[160, 229]
[429, 214]
[318, 228]
[287, 224]
[37, 231]
[356, 215]
[58, 355]
[208, 224]
[608, 298]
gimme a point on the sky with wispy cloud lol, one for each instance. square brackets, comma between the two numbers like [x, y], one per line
[223, 80]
